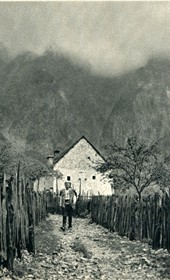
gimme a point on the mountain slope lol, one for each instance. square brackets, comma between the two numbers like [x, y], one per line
[144, 107]
[48, 102]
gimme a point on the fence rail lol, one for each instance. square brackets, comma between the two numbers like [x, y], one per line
[20, 210]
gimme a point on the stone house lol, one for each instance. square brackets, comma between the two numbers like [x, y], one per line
[77, 165]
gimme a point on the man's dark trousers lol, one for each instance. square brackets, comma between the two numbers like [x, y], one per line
[67, 211]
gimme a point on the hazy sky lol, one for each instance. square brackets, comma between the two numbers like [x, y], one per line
[112, 37]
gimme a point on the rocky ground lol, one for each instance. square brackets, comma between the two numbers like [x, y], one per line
[88, 251]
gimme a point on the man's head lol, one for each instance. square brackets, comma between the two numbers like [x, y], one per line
[67, 185]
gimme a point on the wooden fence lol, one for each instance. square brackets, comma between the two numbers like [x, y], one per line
[53, 203]
[147, 220]
[20, 210]
[83, 205]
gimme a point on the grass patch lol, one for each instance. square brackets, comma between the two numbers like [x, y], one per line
[78, 246]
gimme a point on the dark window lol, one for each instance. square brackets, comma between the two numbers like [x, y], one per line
[68, 178]
[93, 177]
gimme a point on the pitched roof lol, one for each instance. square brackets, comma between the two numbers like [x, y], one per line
[72, 146]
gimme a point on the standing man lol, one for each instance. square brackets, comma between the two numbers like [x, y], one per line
[68, 197]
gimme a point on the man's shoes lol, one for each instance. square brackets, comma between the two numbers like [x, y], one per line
[70, 227]
[63, 228]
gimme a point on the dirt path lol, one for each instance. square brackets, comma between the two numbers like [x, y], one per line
[89, 252]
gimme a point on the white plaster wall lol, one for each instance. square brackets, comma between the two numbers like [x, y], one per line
[79, 163]
[43, 183]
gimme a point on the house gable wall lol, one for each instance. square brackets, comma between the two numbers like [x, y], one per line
[78, 165]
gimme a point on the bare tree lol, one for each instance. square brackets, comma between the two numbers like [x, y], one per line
[136, 164]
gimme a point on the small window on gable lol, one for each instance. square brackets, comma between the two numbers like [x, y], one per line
[93, 177]
[68, 178]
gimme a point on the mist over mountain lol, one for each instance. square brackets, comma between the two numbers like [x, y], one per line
[48, 102]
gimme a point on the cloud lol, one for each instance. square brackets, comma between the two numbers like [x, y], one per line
[111, 37]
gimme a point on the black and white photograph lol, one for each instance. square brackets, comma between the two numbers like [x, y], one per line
[85, 140]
